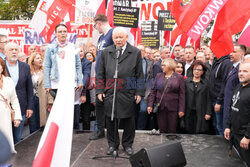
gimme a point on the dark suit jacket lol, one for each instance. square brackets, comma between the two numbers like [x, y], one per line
[157, 68]
[174, 96]
[149, 77]
[232, 81]
[24, 87]
[130, 73]
[86, 69]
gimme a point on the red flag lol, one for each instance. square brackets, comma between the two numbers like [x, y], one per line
[110, 13]
[102, 8]
[45, 156]
[230, 20]
[245, 37]
[166, 37]
[55, 14]
[186, 12]
[136, 32]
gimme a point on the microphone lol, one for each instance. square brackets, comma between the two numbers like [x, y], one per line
[118, 51]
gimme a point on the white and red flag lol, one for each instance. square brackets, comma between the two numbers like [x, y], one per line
[48, 14]
[54, 148]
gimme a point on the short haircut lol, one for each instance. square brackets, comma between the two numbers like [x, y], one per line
[170, 63]
[163, 48]
[196, 63]
[189, 46]
[243, 48]
[119, 29]
[61, 24]
[101, 17]
[177, 46]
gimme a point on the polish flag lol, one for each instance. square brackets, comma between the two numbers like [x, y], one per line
[110, 13]
[48, 14]
[231, 20]
[54, 148]
[179, 38]
[102, 7]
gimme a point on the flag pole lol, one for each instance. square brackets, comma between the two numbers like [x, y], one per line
[169, 40]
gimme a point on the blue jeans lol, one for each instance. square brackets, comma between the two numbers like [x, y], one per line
[218, 120]
[34, 120]
[17, 131]
[142, 116]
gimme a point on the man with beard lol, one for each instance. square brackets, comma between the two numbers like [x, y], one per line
[238, 124]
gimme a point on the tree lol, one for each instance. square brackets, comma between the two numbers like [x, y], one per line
[17, 9]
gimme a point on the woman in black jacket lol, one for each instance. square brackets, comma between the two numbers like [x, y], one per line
[198, 107]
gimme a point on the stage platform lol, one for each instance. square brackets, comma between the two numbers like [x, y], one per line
[200, 150]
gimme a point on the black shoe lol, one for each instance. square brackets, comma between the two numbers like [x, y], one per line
[129, 151]
[97, 135]
[110, 150]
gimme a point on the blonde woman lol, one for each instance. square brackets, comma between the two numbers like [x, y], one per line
[8, 92]
[172, 105]
[42, 100]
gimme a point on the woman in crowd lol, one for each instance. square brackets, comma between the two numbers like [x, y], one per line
[198, 107]
[90, 57]
[8, 96]
[42, 101]
[156, 56]
[180, 68]
[173, 101]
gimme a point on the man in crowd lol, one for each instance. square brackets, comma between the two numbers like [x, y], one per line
[20, 74]
[105, 40]
[238, 124]
[147, 66]
[130, 66]
[54, 61]
[3, 42]
[189, 54]
[218, 75]
[165, 53]
[177, 50]
[232, 79]
[32, 49]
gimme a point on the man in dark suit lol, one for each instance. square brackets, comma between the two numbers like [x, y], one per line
[20, 74]
[147, 66]
[127, 96]
[232, 79]
[190, 55]
[165, 53]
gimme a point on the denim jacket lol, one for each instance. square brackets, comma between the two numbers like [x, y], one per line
[51, 67]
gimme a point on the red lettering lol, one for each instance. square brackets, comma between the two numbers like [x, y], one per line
[145, 11]
[156, 5]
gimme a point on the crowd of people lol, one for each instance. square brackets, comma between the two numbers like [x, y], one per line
[197, 93]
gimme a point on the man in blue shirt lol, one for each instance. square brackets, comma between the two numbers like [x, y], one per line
[105, 40]
[3, 42]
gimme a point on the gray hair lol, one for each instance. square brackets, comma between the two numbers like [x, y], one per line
[120, 30]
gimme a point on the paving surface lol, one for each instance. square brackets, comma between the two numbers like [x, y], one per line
[199, 150]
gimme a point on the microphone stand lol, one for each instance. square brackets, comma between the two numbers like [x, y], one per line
[114, 111]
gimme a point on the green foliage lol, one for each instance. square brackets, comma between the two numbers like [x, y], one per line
[17, 9]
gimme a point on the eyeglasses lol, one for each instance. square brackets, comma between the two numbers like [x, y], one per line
[199, 70]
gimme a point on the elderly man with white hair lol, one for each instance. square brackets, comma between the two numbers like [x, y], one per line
[20, 74]
[128, 94]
